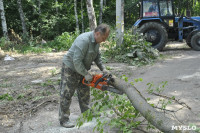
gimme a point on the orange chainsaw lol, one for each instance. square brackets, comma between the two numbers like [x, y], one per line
[100, 81]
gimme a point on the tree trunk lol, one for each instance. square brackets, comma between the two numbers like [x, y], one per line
[83, 27]
[39, 7]
[91, 14]
[56, 1]
[21, 13]
[3, 20]
[101, 11]
[119, 21]
[158, 119]
[76, 15]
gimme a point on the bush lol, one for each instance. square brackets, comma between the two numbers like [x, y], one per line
[134, 50]
[4, 43]
[62, 42]
[36, 45]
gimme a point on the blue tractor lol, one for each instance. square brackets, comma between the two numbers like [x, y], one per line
[159, 24]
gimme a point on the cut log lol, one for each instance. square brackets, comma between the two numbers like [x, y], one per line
[156, 118]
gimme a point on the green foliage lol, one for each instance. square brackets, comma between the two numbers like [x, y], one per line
[6, 97]
[163, 101]
[134, 50]
[196, 8]
[53, 72]
[32, 49]
[110, 105]
[32, 46]
[5, 85]
[62, 42]
[20, 96]
[113, 106]
[159, 89]
[118, 108]
[4, 43]
[197, 128]
[55, 25]
[53, 18]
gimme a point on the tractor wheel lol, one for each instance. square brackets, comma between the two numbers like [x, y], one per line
[195, 41]
[155, 33]
[188, 42]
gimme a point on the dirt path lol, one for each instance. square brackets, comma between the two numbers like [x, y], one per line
[32, 82]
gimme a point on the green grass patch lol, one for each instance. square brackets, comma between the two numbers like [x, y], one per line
[5, 85]
[6, 97]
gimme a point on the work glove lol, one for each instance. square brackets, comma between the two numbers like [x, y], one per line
[105, 71]
[88, 77]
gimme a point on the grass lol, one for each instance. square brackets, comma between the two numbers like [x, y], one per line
[5, 85]
[6, 97]
[31, 49]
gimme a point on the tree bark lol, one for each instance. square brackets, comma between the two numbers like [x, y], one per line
[158, 119]
[100, 11]
[39, 7]
[82, 17]
[76, 15]
[119, 21]
[91, 14]
[21, 13]
[3, 20]
[56, 1]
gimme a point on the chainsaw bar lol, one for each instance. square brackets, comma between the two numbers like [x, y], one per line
[112, 89]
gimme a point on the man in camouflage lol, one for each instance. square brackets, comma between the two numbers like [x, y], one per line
[76, 65]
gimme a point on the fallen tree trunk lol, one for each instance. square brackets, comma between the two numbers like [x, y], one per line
[158, 119]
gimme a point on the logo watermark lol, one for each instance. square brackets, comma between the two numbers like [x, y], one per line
[184, 128]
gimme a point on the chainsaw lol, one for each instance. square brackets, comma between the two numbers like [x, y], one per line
[100, 81]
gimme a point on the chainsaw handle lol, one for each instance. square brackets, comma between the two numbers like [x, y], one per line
[86, 82]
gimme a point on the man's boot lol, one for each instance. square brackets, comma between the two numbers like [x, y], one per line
[67, 124]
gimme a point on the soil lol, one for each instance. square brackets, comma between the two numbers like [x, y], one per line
[29, 89]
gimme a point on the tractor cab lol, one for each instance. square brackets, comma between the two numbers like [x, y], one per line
[158, 24]
[158, 9]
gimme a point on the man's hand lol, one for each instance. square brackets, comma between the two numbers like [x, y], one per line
[105, 71]
[88, 77]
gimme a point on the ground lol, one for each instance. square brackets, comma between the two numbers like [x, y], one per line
[29, 88]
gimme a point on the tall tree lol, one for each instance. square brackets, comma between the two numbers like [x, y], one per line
[3, 20]
[39, 7]
[119, 21]
[101, 11]
[76, 14]
[104, 2]
[82, 17]
[56, 2]
[21, 13]
[91, 14]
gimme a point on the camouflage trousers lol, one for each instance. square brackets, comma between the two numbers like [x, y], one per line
[71, 81]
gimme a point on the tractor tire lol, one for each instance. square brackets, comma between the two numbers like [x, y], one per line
[155, 33]
[188, 42]
[195, 41]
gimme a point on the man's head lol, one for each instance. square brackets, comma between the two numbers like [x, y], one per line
[101, 33]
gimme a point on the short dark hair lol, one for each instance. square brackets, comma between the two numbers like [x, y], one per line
[102, 28]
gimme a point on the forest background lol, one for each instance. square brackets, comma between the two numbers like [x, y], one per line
[58, 22]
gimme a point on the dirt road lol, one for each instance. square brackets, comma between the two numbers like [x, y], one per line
[30, 82]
